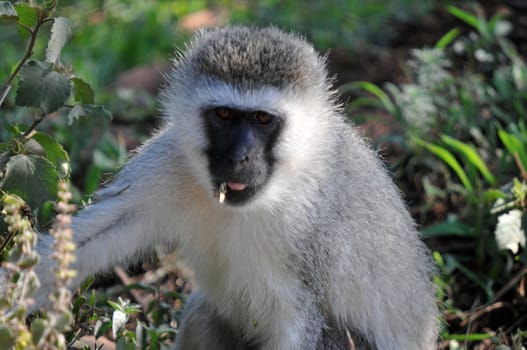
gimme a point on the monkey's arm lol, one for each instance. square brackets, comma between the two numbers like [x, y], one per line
[128, 218]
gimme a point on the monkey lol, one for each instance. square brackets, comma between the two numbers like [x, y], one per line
[297, 234]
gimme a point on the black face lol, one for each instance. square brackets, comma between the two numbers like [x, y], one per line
[240, 151]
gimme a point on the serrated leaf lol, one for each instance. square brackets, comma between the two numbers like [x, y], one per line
[60, 34]
[88, 110]
[55, 153]
[41, 87]
[38, 327]
[27, 15]
[82, 91]
[7, 10]
[32, 178]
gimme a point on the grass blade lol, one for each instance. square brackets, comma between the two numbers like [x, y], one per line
[447, 39]
[465, 16]
[450, 160]
[471, 156]
[374, 90]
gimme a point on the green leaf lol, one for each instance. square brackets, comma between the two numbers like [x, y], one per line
[104, 327]
[32, 178]
[446, 39]
[492, 195]
[471, 155]
[374, 90]
[60, 34]
[38, 327]
[82, 91]
[115, 306]
[17, 129]
[27, 15]
[55, 153]
[41, 87]
[448, 229]
[7, 338]
[465, 16]
[514, 145]
[46, 213]
[450, 160]
[91, 182]
[7, 10]
[452, 261]
[88, 110]
[469, 336]
[123, 344]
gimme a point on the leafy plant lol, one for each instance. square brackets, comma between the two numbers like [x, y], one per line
[33, 162]
[462, 113]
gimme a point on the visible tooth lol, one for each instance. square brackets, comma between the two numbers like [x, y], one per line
[222, 192]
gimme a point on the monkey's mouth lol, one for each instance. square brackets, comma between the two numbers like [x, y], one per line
[234, 192]
[236, 186]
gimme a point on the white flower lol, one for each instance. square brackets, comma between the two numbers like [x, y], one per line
[503, 28]
[119, 320]
[483, 56]
[509, 234]
[459, 47]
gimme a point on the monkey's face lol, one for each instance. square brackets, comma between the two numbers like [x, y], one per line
[240, 150]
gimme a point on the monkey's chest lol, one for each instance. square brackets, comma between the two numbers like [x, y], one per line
[242, 273]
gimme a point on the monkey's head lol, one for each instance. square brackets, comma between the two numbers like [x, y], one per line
[249, 109]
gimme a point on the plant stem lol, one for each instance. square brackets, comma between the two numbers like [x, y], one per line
[27, 55]
[33, 126]
[7, 240]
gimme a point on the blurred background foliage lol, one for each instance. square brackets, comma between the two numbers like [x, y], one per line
[439, 86]
[115, 36]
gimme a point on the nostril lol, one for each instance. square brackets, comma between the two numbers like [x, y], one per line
[239, 159]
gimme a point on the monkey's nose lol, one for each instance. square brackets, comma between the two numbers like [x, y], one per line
[239, 160]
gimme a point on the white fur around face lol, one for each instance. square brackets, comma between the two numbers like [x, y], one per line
[298, 147]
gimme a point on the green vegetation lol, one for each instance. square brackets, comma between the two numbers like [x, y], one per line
[465, 140]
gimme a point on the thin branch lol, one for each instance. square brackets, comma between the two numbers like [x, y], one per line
[6, 92]
[510, 284]
[481, 311]
[25, 27]
[519, 163]
[6, 241]
[35, 123]
[27, 55]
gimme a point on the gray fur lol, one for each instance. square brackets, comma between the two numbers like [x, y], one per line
[254, 57]
[327, 246]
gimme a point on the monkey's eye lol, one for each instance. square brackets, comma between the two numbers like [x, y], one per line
[263, 118]
[224, 114]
